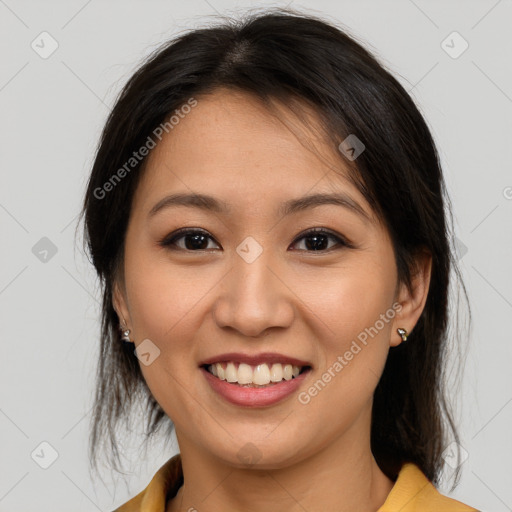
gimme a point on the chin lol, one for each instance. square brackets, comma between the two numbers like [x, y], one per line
[264, 454]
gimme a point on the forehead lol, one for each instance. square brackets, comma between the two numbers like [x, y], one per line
[231, 145]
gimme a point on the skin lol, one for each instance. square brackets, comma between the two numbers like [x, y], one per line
[194, 304]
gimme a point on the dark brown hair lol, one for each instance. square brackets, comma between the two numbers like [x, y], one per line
[285, 55]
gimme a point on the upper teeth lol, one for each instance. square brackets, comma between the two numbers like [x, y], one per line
[260, 374]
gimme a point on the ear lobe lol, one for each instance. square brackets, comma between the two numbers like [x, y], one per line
[413, 300]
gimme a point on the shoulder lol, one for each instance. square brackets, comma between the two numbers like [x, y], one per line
[413, 492]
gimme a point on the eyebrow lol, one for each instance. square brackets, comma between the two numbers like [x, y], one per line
[210, 203]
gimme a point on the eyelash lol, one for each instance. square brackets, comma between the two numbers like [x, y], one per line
[170, 240]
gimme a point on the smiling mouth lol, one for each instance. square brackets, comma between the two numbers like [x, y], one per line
[255, 376]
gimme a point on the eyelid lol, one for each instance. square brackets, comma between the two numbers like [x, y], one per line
[324, 231]
[168, 240]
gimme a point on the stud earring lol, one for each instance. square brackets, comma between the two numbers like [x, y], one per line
[125, 335]
[403, 333]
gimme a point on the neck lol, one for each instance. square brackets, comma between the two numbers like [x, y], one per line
[341, 477]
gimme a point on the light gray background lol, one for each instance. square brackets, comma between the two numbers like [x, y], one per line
[52, 111]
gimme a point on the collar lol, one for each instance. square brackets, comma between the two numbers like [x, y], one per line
[412, 492]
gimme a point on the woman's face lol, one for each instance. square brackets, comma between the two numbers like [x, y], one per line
[253, 283]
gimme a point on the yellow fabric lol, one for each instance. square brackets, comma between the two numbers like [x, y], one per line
[412, 492]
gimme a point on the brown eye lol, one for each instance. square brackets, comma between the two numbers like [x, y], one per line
[315, 240]
[188, 240]
[319, 239]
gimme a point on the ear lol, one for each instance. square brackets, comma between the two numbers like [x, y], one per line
[412, 301]
[120, 304]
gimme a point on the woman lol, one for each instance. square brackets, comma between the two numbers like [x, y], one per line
[266, 214]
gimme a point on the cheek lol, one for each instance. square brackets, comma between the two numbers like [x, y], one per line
[163, 305]
[355, 309]
[352, 350]
[164, 299]
[348, 300]
[169, 305]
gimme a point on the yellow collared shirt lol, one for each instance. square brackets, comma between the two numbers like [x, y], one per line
[412, 492]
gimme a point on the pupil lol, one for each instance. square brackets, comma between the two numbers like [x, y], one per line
[318, 242]
[313, 242]
[198, 242]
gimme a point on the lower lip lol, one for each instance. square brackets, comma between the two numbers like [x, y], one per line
[254, 397]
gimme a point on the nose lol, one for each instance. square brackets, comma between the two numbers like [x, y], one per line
[254, 297]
